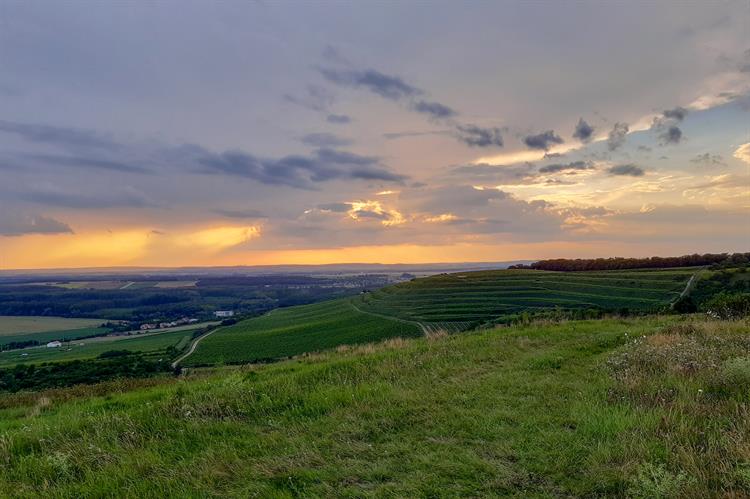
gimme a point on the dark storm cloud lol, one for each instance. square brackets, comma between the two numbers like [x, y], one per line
[389, 87]
[82, 162]
[338, 119]
[434, 109]
[70, 138]
[583, 131]
[630, 170]
[617, 136]
[298, 171]
[671, 135]
[15, 224]
[241, 214]
[475, 136]
[573, 166]
[542, 141]
[325, 140]
[677, 113]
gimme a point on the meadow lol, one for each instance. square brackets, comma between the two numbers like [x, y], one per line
[638, 407]
[156, 343]
[296, 330]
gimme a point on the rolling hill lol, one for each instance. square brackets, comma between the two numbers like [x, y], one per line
[447, 302]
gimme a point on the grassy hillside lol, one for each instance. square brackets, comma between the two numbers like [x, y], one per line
[652, 407]
[296, 330]
[457, 301]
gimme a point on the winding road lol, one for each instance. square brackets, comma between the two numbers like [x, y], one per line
[192, 347]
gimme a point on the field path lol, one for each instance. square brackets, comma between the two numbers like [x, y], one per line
[690, 284]
[192, 347]
[425, 329]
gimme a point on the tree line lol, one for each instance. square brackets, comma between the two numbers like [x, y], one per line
[619, 263]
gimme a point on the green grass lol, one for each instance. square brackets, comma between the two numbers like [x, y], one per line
[476, 297]
[295, 330]
[579, 409]
[15, 325]
[91, 348]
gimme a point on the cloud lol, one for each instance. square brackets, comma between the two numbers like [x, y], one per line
[434, 109]
[708, 159]
[583, 132]
[325, 140]
[401, 135]
[82, 162]
[297, 171]
[542, 141]
[677, 113]
[66, 137]
[743, 153]
[573, 166]
[617, 136]
[315, 98]
[389, 87]
[475, 136]
[335, 207]
[338, 119]
[126, 197]
[671, 135]
[16, 224]
[241, 214]
[630, 170]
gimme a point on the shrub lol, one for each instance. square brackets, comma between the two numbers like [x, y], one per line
[730, 306]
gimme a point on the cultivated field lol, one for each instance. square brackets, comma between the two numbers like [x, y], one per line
[646, 408]
[13, 325]
[90, 348]
[457, 301]
[296, 330]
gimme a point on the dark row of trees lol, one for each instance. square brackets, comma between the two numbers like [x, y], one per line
[695, 260]
[109, 365]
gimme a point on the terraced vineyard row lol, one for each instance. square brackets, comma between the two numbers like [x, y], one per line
[457, 300]
[295, 330]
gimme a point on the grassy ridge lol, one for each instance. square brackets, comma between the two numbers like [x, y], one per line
[652, 407]
[296, 330]
[473, 297]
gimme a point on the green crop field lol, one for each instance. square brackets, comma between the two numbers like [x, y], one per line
[14, 325]
[639, 407]
[295, 330]
[86, 349]
[457, 301]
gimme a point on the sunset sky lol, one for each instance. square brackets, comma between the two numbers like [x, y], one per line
[239, 133]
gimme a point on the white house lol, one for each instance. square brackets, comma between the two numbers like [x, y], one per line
[54, 344]
[224, 313]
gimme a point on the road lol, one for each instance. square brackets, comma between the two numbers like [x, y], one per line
[192, 347]
[424, 328]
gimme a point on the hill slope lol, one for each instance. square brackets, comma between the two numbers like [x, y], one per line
[450, 302]
[295, 330]
[575, 409]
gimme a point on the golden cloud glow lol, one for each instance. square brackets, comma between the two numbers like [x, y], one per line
[444, 217]
[388, 217]
[743, 153]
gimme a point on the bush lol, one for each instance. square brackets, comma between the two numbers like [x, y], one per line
[730, 306]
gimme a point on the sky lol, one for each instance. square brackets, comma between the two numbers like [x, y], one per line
[254, 133]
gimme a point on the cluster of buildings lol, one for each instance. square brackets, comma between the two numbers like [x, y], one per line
[162, 325]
